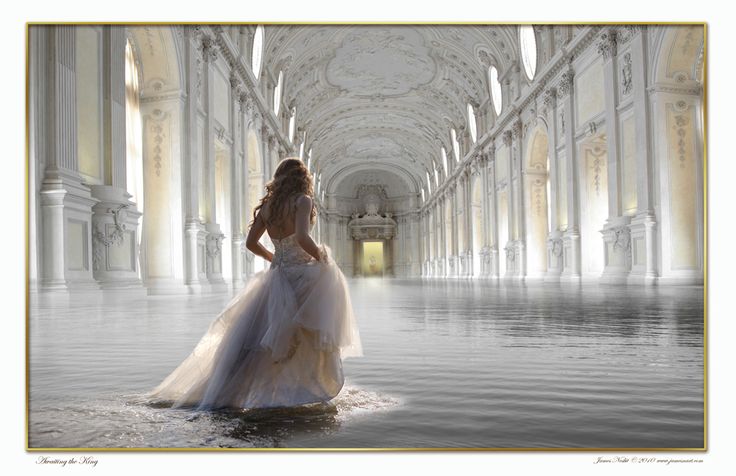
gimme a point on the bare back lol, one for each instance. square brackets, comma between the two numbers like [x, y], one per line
[284, 226]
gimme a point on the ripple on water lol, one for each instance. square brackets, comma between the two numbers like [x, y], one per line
[130, 422]
[446, 364]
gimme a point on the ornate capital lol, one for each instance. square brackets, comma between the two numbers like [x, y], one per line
[566, 83]
[208, 48]
[244, 101]
[272, 141]
[235, 81]
[507, 138]
[607, 43]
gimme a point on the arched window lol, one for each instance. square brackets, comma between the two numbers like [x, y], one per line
[309, 158]
[292, 124]
[455, 145]
[436, 177]
[424, 198]
[528, 49]
[496, 95]
[256, 59]
[444, 161]
[133, 129]
[277, 93]
[472, 123]
[133, 135]
[429, 183]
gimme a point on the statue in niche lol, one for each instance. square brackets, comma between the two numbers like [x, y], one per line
[372, 224]
[372, 265]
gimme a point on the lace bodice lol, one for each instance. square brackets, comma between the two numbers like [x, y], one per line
[287, 252]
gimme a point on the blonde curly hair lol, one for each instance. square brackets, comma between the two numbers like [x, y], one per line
[290, 179]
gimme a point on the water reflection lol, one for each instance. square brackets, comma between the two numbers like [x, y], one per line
[447, 364]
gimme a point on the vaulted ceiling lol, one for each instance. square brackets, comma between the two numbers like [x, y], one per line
[385, 95]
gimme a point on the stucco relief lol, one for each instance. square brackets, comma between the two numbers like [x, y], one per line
[389, 62]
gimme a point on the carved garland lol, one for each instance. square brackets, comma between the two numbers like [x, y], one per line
[681, 121]
[556, 247]
[214, 244]
[510, 253]
[622, 239]
[116, 237]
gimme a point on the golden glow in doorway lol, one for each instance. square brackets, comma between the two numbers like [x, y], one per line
[373, 258]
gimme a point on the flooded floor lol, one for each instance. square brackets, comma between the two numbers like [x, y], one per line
[447, 364]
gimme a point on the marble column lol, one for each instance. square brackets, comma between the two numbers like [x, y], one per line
[428, 238]
[115, 217]
[616, 235]
[643, 226]
[518, 190]
[554, 239]
[436, 253]
[444, 240]
[273, 155]
[194, 230]
[65, 201]
[239, 167]
[493, 214]
[469, 219]
[571, 236]
[453, 259]
[266, 151]
[414, 244]
[461, 215]
[510, 248]
[485, 186]
[213, 244]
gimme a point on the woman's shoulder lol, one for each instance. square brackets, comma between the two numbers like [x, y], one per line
[302, 200]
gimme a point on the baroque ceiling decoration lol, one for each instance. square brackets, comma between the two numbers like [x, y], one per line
[384, 93]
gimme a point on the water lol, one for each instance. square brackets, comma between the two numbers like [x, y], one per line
[447, 364]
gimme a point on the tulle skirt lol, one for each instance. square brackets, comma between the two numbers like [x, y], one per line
[279, 342]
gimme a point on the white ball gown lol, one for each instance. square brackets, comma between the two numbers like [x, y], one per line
[278, 343]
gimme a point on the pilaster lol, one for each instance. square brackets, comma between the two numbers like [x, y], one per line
[571, 236]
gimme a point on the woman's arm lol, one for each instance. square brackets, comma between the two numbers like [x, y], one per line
[301, 225]
[254, 234]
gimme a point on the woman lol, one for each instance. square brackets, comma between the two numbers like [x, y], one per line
[281, 340]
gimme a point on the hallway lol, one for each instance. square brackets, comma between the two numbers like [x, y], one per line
[447, 364]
